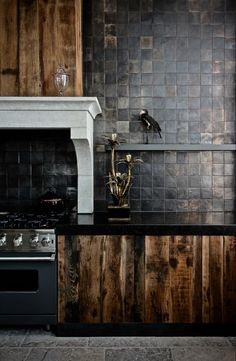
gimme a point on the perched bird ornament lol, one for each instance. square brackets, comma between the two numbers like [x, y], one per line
[149, 123]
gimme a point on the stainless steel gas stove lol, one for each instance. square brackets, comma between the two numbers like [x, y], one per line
[28, 277]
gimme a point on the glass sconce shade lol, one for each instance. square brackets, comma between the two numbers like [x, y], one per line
[61, 80]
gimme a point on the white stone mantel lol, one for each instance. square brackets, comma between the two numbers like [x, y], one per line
[74, 113]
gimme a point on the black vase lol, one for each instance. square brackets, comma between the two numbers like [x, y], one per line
[118, 214]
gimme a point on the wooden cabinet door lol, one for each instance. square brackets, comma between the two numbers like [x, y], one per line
[96, 278]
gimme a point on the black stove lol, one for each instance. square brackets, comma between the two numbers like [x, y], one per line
[28, 271]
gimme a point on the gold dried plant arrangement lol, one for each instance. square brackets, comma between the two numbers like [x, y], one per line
[119, 183]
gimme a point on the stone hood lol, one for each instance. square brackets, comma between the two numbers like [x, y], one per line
[74, 113]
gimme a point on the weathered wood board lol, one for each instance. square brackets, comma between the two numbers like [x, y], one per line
[36, 36]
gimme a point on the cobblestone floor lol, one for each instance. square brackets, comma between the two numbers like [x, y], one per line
[39, 345]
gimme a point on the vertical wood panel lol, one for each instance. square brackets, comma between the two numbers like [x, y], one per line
[60, 43]
[127, 277]
[197, 280]
[79, 48]
[216, 263]
[65, 47]
[111, 283]
[139, 279]
[47, 44]
[29, 69]
[72, 261]
[61, 279]
[9, 48]
[181, 278]
[205, 280]
[90, 250]
[157, 279]
[229, 279]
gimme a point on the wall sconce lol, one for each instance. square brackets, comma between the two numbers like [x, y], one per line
[61, 80]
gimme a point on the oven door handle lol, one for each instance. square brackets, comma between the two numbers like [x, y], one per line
[45, 259]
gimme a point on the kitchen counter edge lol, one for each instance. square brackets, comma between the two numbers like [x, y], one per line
[148, 224]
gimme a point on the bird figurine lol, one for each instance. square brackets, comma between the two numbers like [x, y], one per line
[149, 122]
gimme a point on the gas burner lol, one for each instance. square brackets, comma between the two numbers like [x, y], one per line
[20, 220]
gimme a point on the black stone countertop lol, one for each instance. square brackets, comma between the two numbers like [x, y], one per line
[152, 223]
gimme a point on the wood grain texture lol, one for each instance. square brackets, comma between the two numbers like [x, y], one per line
[127, 277]
[9, 48]
[90, 250]
[139, 279]
[35, 37]
[62, 299]
[205, 280]
[111, 280]
[72, 262]
[181, 262]
[48, 44]
[196, 291]
[153, 279]
[78, 83]
[29, 68]
[157, 279]
[216, 263]
[117, 279]
[229, 281]
[65, 47]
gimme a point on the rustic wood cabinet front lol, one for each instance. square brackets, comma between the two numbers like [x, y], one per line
[149, 279]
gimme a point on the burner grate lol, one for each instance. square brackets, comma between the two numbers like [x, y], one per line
[29, 220]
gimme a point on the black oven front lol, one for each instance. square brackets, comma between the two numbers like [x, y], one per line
[28, 277]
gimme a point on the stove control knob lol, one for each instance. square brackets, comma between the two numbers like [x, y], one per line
[46, 241]
[3, 240]
[18, 240]
[34, 241]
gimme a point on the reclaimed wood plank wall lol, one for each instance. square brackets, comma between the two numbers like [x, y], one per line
[179, 279]
[35, 37]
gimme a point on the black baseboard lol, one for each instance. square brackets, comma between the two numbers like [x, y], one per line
[143, 329]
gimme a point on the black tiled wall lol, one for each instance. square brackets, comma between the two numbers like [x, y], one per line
[175, 58]
[29, 167]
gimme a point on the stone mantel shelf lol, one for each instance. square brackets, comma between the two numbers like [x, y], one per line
[74, 113]
[176, 147]
[82, 104]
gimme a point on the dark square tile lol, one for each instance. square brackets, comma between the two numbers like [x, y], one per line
[194, 31]
[170, 205]
[170, 193]
[148, 79]
[12, 157]
[12, 193]
[206, 67]
[158, 181]
[170, 79]
[146, 193]
[158, 91]
[206, 79]
[194, 67]
[206, 30]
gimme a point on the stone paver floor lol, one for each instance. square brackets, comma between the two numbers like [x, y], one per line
[39, 345]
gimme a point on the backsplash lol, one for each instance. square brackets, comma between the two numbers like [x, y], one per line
[176, 59]
[32, 163]
[184, 181]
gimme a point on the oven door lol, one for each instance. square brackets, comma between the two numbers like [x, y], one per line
[28, 285]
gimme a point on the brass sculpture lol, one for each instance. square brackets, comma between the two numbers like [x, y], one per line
[119, 183]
